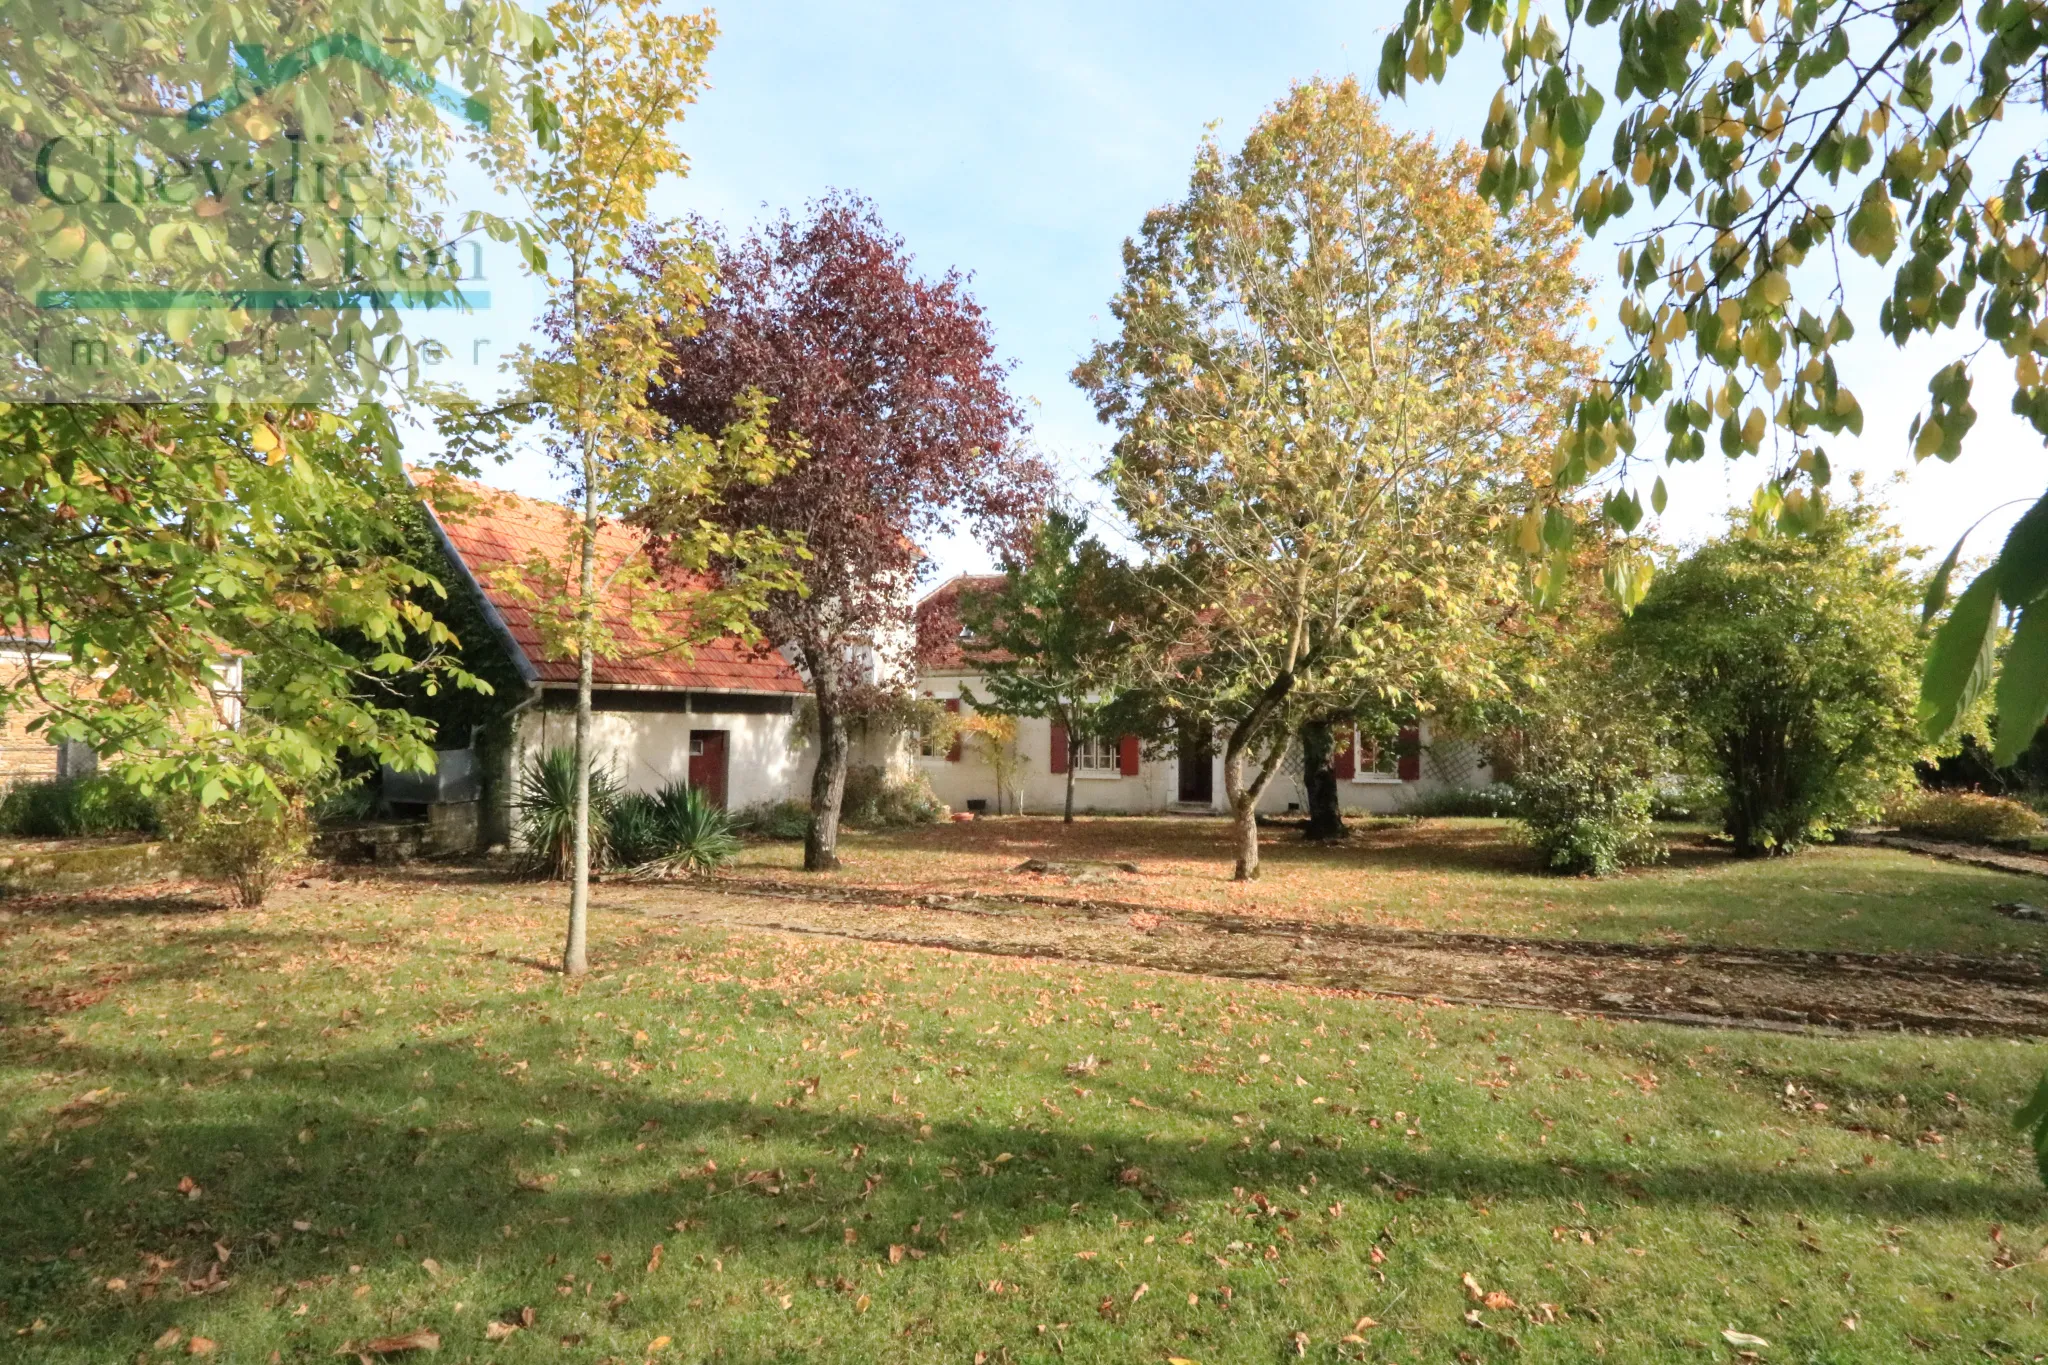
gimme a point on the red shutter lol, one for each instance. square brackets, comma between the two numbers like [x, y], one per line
[1127, 755]
[1059, 748]
[1411, 754]
[1343, 761]
[953, 708]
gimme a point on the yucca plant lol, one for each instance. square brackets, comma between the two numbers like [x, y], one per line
[547, 812]
[690, 834]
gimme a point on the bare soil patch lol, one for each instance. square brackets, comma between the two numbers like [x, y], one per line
[1755, 987]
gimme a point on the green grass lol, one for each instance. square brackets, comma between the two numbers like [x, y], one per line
[370, 1112]
[1472, 875]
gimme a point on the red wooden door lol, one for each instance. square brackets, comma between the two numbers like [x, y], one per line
[707, 764]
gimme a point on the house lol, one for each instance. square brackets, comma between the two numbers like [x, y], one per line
[27, 753]
[720, 716]
[1123, 776]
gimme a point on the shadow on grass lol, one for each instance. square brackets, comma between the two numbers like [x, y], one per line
[439, 1147]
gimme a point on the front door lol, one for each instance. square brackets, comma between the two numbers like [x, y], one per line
[1197, 767]
[707, 764]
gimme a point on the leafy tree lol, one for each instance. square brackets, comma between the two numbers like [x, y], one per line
[620, 77]
[1335, 379]
[1766, 137]
[1054, 640]
[1789, 663]
[1590, 748]
[891, 383]
[239, 506]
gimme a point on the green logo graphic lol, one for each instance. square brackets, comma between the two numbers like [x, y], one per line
[259, 77]
[257, 245]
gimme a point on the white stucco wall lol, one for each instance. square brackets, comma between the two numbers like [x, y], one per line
[1156, 787]
[649, 748]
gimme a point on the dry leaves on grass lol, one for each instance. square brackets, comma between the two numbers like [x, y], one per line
[1735, 1338]
[1488, 1298]
[419, 1339]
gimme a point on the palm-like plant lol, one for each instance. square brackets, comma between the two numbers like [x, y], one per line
[687, 834]
[547, 812]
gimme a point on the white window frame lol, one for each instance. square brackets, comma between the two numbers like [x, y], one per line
[1374, 774]
[1087, 754]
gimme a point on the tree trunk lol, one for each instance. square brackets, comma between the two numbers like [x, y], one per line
[575, 956]
[1244, 830]
[1242, 796]
[1068, 818]
[1325, 814]
[828, 787]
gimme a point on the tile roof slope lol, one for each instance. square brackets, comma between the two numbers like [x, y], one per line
[938, 625]
[503, 530]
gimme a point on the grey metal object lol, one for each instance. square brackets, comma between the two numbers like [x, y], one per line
[456, 777]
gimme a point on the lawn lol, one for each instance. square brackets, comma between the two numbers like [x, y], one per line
[1471, 875]
[369, 1111]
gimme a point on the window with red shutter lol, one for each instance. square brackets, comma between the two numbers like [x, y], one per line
[1410, 745]
[1342, 753]
[953, 708]
[1127, 755]
[1058, 762]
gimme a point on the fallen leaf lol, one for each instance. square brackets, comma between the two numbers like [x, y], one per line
[658, 1344]
[895, 1254]
[860, 1305]
[1496, 1299]
[1472, 1289]
[432, 1267]
[116, 1285]
[573, 1339]
[654, 1259]
[1735, 1338]
[171, 1337]
[199, 1346]
[419, 1339]
[1140, 1292]
[1301, 1343]
[497, 1330]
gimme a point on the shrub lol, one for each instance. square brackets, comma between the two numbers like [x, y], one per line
[1968, 817]
[1792, 664]
[1586, 775]
[677, 830]
[546, 803]
[774, 820]
[1496, 800]
[349, 802]
[76, 808]
[874, 802]
[246, 847]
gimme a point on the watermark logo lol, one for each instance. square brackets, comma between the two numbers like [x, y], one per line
[265, 242]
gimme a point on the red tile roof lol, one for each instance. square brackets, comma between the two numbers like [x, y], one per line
[496, 533]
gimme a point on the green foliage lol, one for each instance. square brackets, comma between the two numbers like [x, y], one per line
[246, 845]
[1494, 801]
[674, 830]
[1967, 817]
[1587, 770]
[348, 802]
[76, 808]
[546, 808]
[1788, 664]
[873, 801]
[1766, 138]
[774, 820]
[1054, 639]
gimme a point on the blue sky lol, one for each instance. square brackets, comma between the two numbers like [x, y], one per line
[1022, 143]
